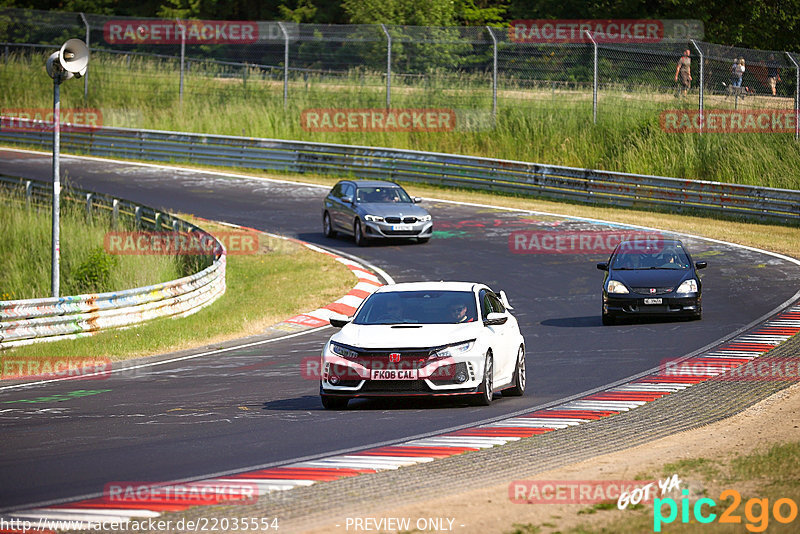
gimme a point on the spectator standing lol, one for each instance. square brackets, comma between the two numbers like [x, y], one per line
[773, 73]
[684, 71]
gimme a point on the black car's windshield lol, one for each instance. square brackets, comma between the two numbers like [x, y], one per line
[658, 258]
[381, 194]
[418, 307]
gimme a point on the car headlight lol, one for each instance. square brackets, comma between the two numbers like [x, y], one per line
[343, 351]
[617, 287]
[454, 350]
[373, 218]
[688, 286]
[424, 218]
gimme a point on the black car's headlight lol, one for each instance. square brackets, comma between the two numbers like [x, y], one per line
[617, 287]
[688, 286]
[343, 351]
[373, 218]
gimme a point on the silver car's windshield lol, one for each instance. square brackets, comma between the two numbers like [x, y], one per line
[381, 194]
[418, 307]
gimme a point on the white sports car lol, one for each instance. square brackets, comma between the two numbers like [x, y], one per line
[425, 338]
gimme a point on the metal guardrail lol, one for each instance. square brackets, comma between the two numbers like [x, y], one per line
[23, 322]
[548, 181]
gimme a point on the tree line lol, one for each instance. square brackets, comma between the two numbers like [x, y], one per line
[760, 24]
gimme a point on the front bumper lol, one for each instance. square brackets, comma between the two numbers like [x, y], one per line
[630, 305]
[383, 230]
[352, 378]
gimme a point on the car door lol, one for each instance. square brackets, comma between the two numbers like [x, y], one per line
[498, 335]
[347, 211]
[508, 341]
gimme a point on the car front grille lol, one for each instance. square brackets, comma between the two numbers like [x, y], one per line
[395, 386]
[658, 290]
[398, 220]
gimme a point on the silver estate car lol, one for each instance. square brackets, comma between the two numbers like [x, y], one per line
[372, 209]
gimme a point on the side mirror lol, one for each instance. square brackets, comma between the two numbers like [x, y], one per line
[338, 321]
[700, 264]
[494, 319]
[347, 200]
[603, 266]
[417, 200]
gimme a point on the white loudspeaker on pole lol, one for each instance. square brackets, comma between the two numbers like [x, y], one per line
[71, 60]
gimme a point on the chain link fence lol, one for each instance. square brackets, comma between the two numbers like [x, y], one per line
[478, 69]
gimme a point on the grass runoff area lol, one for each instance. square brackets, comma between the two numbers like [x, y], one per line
[280, 280]
[543, 125]
[744, 488]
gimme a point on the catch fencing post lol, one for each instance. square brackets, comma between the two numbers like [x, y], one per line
[700, 52]
[285, 64]
[388, 67]
[594, 77]
[796, 96]
[183, 54]
[85, 76]
[494, 73]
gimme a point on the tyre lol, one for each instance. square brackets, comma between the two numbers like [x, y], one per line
[486, 387]
[358, 234]
[334, 403]
[327, 228]
[423, 240]
[519, 376]
[608, 320]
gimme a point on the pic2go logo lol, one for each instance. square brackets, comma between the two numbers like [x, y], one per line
[756, 511]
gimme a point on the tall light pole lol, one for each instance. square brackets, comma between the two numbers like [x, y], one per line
[71, 60]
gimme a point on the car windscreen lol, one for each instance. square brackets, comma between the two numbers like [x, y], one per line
[381, 194]
[418, 307]
[674, 257]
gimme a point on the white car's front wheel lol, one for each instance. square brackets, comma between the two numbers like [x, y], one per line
[487, 386]
[519, 376]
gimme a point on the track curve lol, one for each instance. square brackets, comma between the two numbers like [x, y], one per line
[193, 422]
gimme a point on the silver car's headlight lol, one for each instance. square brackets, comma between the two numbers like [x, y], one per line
[343, 351]
[373, 218]
[454, 350]
[617, 287]
[688, 286]
[424, 218]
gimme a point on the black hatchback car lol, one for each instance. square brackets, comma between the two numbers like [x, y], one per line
[374, 209]
[651, 278]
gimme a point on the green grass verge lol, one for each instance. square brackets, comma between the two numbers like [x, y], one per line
[765, 475]
[283, 279]
[537, 125]
[25, 254]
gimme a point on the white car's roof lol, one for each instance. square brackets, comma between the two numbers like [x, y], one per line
[429, 286]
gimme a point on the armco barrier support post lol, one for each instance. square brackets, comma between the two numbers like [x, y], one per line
[796, 96]
[114, 212]
[388, 67]
[137, 217]
[285, 64]
[700, 103]
[594, 78]
[494, 73]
